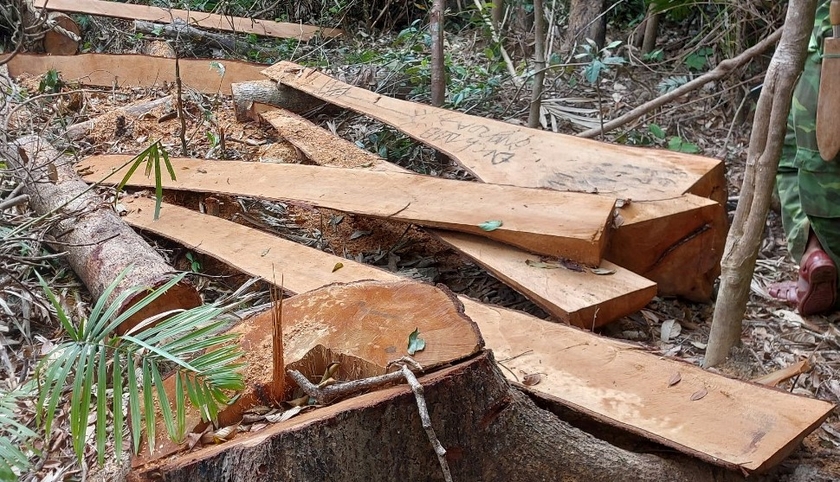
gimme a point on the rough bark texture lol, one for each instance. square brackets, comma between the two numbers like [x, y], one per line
[539, 64]
[586, 21]
[490, 431]
[765, 150]
[438, 69]
[99, 245]
[247, 96]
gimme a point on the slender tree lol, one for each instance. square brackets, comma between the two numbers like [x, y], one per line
[765, 150]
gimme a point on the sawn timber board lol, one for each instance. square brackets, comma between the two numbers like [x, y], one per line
[580, 298]
[736, 424]
[570, 225]
[498, 152]
[227, 23]
[133, 70]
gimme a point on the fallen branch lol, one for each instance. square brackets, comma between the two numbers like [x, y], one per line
[180, 29]
[722, 70]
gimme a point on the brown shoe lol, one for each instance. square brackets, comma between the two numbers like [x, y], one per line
[817, 285]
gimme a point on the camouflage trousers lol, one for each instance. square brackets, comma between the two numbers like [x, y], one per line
[809, 187]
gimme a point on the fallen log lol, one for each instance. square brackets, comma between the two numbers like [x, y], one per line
[227, 23]
[570, 225]
[490, 432]
[137, 109]
[581, 298]
[98, 244]
[733, 424]
[666, 233]
[180, 30]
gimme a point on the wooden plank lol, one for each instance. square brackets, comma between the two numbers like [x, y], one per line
[736, 424]
[543, 159]
[579, 298]
[571, 225]
[133, 70]
[214, 21]
[499, 152]
[582, 299]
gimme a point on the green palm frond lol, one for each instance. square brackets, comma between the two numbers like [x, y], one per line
[152, 156]
[14, 435]
[190, 342]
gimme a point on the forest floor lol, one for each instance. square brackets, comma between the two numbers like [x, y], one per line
[714, 119]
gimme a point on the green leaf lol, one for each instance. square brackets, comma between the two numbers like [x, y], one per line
[415, 343]
[656, 131]
[101, 404]
[678, 144]
[119, 417]
[490, 225]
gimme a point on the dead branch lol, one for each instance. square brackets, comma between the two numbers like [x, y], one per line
[722, 70]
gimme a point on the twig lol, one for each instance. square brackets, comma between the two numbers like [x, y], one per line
[722, 69]
[325, 395]
[426, 421]
[15, 201]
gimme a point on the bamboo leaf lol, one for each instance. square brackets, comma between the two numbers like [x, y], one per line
[180, 404]
[148, 405]
[163, 401]
[118, 407]
[134, 402]
[101, 404]
[62, 317]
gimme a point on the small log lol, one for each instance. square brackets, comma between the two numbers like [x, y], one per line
[251, 98]
[490, 432]
[570, 225]
[99, 245]
[138, 109]
[56, 40]
[180, 30]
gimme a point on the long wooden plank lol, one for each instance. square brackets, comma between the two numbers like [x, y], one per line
[736, 424]
[502, 153]
[580, 298]
[132, 70]
[570, 225]
[256, 26]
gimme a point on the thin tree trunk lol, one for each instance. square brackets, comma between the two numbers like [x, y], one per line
[497, 14]
[438, 67]
[765, 150]
[539, 64]
[586, 21]
[651, 31]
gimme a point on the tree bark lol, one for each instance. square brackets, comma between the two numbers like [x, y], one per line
[438, 64]
[651, 31]
[99, 245]
[586, 21]
[539, 64]
[765, 150]
[490, 431]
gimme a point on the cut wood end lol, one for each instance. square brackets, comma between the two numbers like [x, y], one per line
[182, 296]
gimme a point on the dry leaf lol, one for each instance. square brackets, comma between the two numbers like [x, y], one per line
[699, 394]
[337, 266]
[602, 271]
[675, 378]
[531, 379]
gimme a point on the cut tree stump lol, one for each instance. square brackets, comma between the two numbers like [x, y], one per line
[208, 76]
[227, 23]
[570, 225]
[655, 180]
[98, 244]
[735, 424]
[582, 299]
[490, 431]
[362, 325]
[56, 42]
